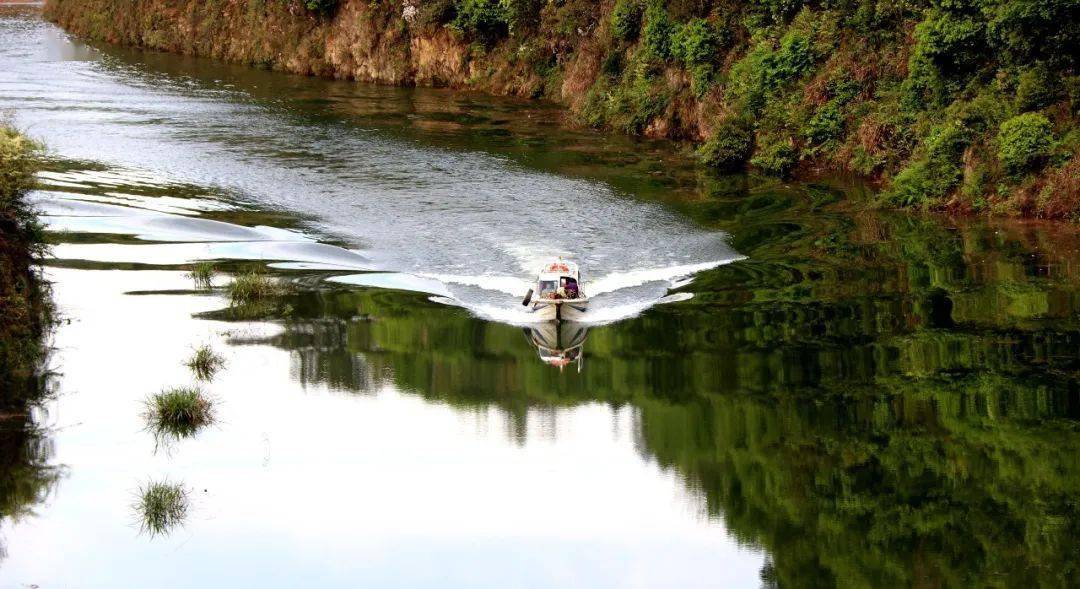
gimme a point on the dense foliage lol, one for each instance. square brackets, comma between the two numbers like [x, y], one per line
[21, 293]
[966, 105]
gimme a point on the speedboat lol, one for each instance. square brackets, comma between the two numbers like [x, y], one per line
[557, 295]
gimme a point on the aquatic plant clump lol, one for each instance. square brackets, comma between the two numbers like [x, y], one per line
[254, 286]
[161, 505]
[179, 412]
[202, 274]
[205, 362]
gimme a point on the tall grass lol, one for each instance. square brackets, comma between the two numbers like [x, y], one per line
[205, 362]
[202, 273]
[254, 286]
[178, 412]
[161, 505]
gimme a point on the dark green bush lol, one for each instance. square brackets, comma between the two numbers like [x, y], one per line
[485, 20]
[765, 69]
[321, 6]
[730, 146]
[1024, 142]
[1038, 88]
[938, 171]
[1023, 31]
[826, 125]
[521, 15]
[776, 157]
[658, 30]
[612, 64]
[626, 19]
[950, 44]
[629, 103]
[695, 43]
[776, 11]
[437, 13]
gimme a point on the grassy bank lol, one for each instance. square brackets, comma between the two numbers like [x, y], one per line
[968, 106]
[23, 302]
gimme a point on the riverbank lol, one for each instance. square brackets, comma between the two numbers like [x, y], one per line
[23, 301]
[956, 108]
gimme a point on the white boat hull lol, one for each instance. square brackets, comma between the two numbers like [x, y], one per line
[575, 310]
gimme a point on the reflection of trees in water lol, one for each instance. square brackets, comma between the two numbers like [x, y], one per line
[26, 475]
[875, 402]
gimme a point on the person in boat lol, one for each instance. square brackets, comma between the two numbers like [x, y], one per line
[569, 288]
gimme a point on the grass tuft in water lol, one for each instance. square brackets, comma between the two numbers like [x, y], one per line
[161, 505]
[205, 362]
[202, 274]
[253, 287]
[178, 412]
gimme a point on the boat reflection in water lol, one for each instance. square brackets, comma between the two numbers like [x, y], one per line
[559, 344]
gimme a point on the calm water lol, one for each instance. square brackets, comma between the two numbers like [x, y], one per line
[776, 387]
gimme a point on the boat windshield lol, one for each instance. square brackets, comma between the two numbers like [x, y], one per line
[548, 288]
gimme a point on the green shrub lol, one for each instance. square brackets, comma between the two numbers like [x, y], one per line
[437, 13]
[18, 161]
[826, 125]
[321, 6]
[776, 157]
[1023, 31]
[955, 42]
[730, 146]
[695, 43]
[658, 30]
[764, 69]
[983, 113]
[629, 103]
[949, 46]
[793, 58]
[776, 11]
[626, 19]
[612, 64]
[485, 20]
[1024, 142]
[1038, 88]
[521, 15]
[937, 172]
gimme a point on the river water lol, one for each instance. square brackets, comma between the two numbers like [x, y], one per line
[775, 387]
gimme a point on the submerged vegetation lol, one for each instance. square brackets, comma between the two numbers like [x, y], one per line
[161, 506]
[962, 105]
[205, 362]
[178, 412]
